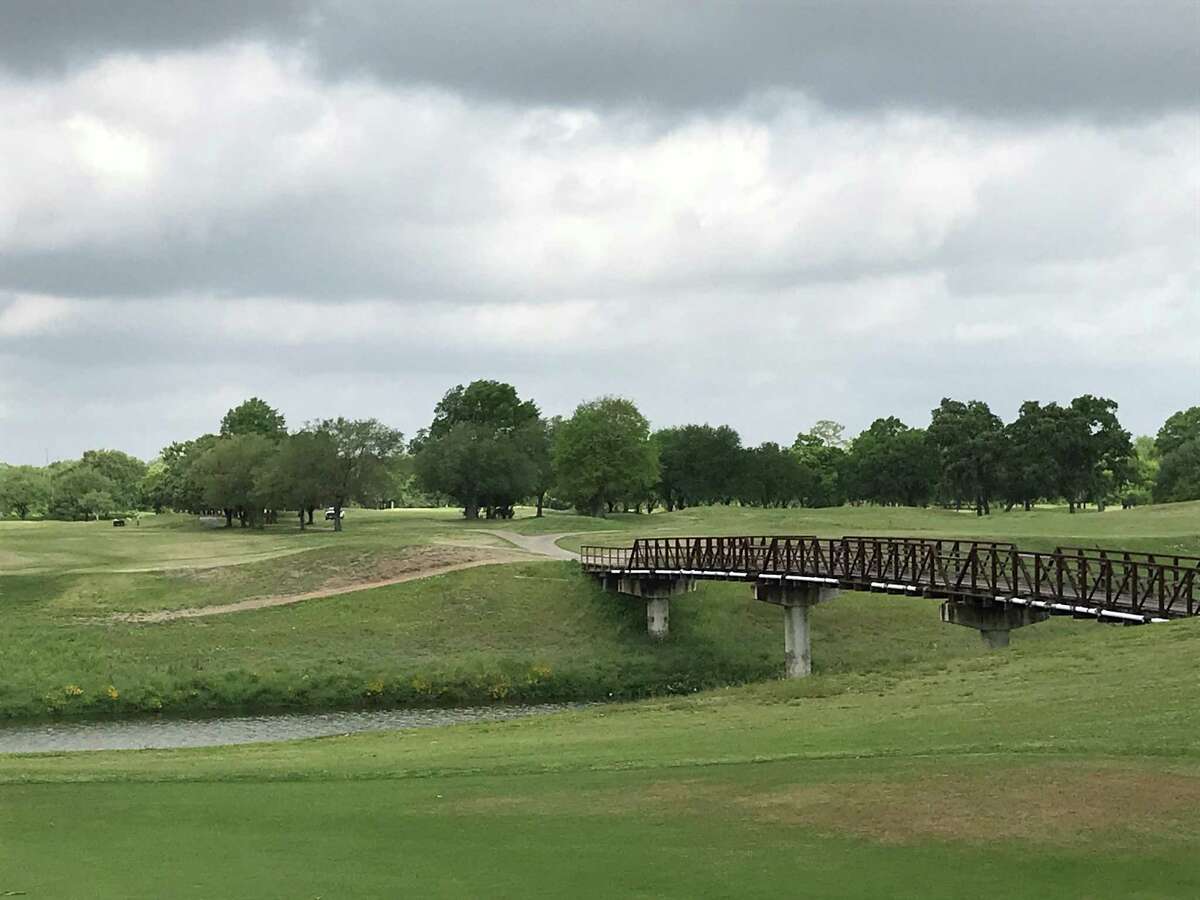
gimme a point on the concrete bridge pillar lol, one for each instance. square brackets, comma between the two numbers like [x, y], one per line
[796, 601]
[657, 591]
[992, 619]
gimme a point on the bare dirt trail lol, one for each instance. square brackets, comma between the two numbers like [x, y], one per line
[527, 548]
[264, 602]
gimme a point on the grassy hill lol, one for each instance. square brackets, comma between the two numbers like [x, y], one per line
[1065, 768]
[529, 631]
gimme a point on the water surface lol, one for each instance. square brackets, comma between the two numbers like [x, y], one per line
[144, 734]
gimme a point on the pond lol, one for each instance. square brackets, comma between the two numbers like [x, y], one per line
[144, 734]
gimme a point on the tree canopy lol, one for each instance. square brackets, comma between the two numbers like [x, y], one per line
[604, 455]
[254, 416]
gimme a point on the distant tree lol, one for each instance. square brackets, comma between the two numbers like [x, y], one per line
[169, 483]
[603, 455]
[71, 484]
[229, 475]
[537, 438]
[1180, 428]
[124, 471]
[486, 449]
[22, 490]
[299, 474]
[969, 441]
[366, 449]
[254, 416]
[772, 476]
[1029, 467]
[827, 433]
[891, 463]
[97, 504]
[1179, 473]
[1145, 472]
[492, 405]
[822, 452]
[1098, 458]
[699, 464]
[477, 468]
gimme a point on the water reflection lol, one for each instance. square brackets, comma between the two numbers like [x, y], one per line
[147, 734]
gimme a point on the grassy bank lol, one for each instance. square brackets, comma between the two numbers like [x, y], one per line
[1065, 768]
[513, 633]
[510, 633]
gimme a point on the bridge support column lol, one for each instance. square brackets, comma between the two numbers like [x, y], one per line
[796, 602]
[657, 591]
[993, 620]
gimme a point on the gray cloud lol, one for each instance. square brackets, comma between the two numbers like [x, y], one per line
[1092, 57]
[807, 212]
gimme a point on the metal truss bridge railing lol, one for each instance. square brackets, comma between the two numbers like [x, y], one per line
[1112, 584]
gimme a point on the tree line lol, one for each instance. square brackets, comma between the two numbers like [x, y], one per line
[487, 450]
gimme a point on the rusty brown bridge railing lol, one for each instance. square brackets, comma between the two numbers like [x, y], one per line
[1116, 585]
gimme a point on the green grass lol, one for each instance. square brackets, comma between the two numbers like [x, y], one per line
[911, 765]
[1171, 527]
[513, 633]
[1069, 767]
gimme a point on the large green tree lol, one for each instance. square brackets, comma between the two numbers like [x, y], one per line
[254, 416]
[229, 475]
[486, 449]
[1097, 453]
[366, 449]
[124, 471]
[821, 450]
[769, 475]
[169, 482]
[492, 405]
[699, 464]
[891, 463]
[1029, 467]
[969, 441]
[1179, 428]
[298, 476]
[23, 489]
[478, 468]
[1179, 473]
[75, 489]
[603, 455]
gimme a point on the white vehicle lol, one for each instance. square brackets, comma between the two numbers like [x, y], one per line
[331, 513]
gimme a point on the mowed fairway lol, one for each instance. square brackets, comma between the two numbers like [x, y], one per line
[1067, 770]
[912, 764]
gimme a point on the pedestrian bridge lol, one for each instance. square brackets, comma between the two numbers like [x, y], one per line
[990, 586]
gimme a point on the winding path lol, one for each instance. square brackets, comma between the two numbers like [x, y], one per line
[527, 546]
[541, 544]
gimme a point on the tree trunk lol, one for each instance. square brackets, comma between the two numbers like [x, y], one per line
[541, 499]
[311, 510]
[471, 511]
[301, 519]
[337, 517]
[228, 518]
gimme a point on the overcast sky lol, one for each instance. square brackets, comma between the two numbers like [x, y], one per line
[754, 213]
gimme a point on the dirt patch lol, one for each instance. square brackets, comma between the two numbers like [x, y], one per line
[373, 572]
[1051, 805]
[1047, 805]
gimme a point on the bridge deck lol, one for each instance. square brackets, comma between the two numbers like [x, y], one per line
[1112, 584]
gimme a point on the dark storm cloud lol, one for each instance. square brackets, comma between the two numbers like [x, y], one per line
[989, 58]
[46, 36]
